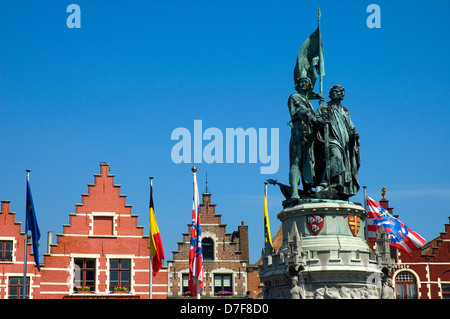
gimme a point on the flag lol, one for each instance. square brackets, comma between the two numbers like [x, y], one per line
[267, 235]
[31, 225]
[195, 253]
[372, 208]
[400, 236]
[310, 56]
[156, 247]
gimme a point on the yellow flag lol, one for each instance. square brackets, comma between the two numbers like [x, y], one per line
[267, 235]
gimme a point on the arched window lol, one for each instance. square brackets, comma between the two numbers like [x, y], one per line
[406, 285]
[208, 249]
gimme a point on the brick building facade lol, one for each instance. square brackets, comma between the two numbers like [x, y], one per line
[102, 252]
[425, 274]
[227, 271]
[12, 242]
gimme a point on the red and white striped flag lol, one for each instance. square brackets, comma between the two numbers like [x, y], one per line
[400, 236]
[373, 209]
[195, 254]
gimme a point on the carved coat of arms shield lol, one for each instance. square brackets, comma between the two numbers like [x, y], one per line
[315, 222]
[354, 222]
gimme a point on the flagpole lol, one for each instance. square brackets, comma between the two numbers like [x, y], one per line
[24, 292]
[150, 282]
[195, 231]
[320, 41]
[365, 208]
[194, 177]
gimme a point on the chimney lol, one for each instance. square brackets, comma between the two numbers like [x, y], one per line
[5, 206]
[243, 241]
[206, 198]
[104, 168]
[49, 241]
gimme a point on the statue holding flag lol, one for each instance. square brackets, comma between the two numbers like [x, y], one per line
[304, 122]
[319, 220]
[324, 146]
[301, 156]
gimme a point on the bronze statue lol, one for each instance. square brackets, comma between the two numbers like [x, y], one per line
[303, 119]
[324, 147]
[340, 159]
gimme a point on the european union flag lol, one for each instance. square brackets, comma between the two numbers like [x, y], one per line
[31, 225]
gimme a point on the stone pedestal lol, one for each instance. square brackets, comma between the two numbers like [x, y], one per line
[323, 256]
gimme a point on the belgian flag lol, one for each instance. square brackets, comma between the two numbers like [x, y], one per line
[156, 247]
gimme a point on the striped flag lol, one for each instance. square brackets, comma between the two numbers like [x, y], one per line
[195, 254]
[400, 236]
[156, 247]
[372, 208]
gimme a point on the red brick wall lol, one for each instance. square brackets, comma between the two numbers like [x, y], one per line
[431, 264]
[102, 228]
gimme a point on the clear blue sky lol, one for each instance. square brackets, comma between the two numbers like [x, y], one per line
[115, 89]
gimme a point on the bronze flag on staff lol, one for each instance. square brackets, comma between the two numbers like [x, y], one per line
[310, 57]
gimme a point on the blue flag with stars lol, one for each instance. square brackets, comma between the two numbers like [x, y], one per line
[31, 225]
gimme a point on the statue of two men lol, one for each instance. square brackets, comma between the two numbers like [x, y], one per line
[324, 146]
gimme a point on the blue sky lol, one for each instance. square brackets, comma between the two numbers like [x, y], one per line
[115, 90]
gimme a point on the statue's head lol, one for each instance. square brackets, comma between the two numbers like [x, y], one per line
[294, 280]
[337, 92]
[303, 84]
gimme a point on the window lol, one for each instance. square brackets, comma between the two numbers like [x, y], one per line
[208, 249]
[445, 291]
[16, 288]
[405, 285]
[84, 279]
[119, 274]
[222, 285]
[6, 250]
[393, 252]
[184, 285]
